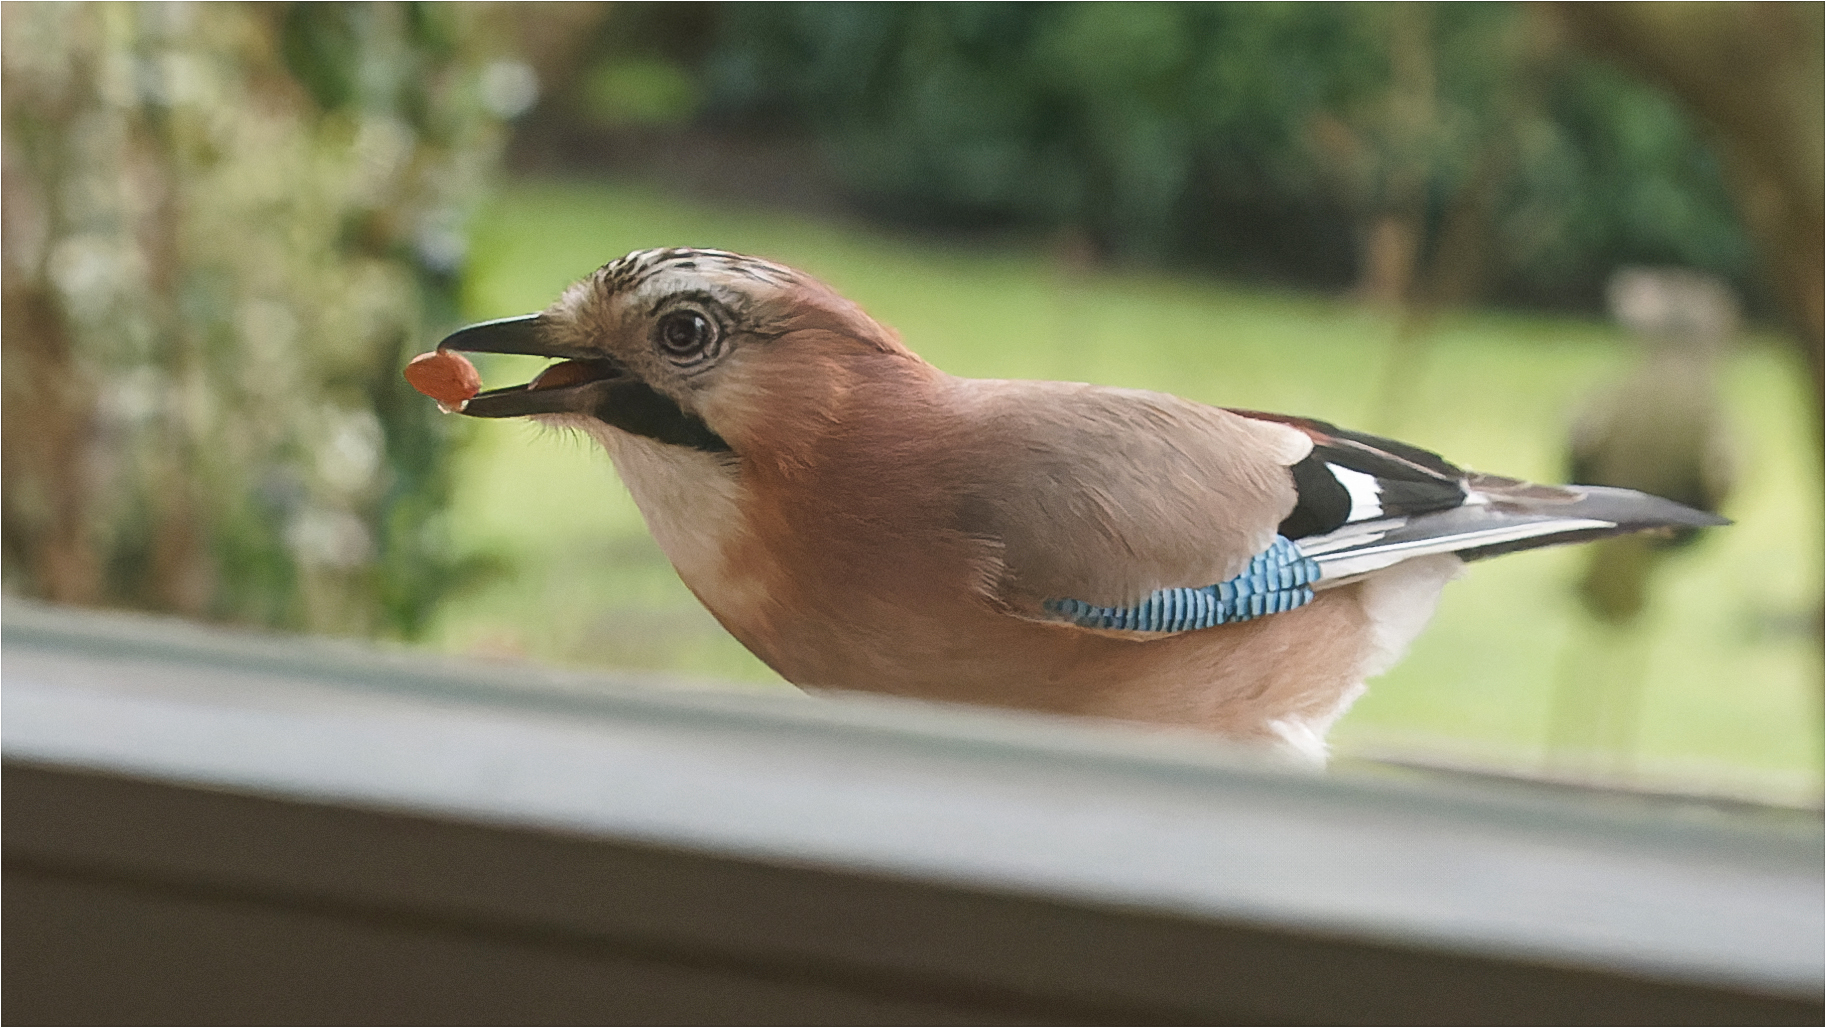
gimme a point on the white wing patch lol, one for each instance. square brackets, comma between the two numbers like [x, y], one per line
[1365, 494]
[1359, 549]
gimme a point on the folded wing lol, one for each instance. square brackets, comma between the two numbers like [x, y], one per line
[1135, 511]
[1105, 496]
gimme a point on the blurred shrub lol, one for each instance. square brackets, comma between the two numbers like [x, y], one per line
[226, 226]
[1257, 138]
[639, 92]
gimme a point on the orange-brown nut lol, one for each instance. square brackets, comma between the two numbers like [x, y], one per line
[444, 376]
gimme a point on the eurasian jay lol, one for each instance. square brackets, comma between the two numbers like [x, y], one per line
[860, 519]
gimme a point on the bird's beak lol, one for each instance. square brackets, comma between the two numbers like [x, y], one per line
[582, 382]
[575, 385]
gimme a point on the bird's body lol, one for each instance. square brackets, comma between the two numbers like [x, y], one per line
[885, 559]
[861, 520]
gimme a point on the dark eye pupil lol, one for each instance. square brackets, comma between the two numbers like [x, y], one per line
[683, 333]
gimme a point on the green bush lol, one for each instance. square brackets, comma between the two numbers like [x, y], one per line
[1253, 138]
[226, 228]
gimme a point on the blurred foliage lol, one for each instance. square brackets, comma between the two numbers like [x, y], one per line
[226, 226]
[639, 92]
[1251, 138]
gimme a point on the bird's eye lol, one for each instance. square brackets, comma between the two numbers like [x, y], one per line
[686, 336]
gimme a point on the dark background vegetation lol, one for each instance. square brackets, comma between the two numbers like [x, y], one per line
[1314, 144]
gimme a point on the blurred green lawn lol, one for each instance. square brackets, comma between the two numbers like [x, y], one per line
[1727, 703]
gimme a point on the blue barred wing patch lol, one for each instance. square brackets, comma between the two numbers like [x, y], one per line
[1277, 579]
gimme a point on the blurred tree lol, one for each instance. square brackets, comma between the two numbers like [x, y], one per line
[1753, 73]
[226, 226]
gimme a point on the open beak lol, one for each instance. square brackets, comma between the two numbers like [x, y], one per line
[582, 382]
[575, 385]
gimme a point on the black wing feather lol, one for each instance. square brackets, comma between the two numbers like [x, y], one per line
[1407, 479]
[1323, 503]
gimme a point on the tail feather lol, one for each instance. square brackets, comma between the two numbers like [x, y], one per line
[1499, 516]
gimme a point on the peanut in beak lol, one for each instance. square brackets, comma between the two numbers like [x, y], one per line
[445, 376]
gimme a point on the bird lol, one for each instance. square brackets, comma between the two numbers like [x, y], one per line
[1659, 428]
[861, 520]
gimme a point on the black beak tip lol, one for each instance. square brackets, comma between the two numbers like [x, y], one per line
[518, 334]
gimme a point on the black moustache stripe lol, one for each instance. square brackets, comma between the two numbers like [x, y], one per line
[637, 408]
